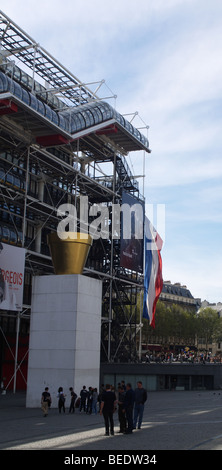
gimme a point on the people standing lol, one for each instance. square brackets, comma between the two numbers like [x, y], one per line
[140, 399]
[73, 399]
[107, 408]
[46, 401]
[62, 398]
[128, 408]
[121, 413]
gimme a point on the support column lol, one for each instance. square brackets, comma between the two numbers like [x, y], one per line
[65, 334]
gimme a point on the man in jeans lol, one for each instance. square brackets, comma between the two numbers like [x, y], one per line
[128, 408]
[107, 408]
[140, 399]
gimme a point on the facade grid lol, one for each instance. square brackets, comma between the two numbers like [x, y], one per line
[59, 142]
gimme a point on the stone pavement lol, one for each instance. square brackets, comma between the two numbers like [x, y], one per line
[172, 421]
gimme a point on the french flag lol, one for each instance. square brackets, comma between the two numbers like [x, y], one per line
[153, 281]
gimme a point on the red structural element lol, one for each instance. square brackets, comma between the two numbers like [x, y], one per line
[112, 129]
[8, 361]
[54, 139]
[7, 106]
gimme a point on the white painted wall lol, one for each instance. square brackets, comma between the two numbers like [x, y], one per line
[65, 331]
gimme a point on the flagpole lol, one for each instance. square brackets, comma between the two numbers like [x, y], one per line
[140, 337]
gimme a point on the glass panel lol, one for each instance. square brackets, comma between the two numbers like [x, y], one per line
[90, 117]
[151, 382]
[109, 379]
[5, 233]
[17, 73]
[105, 112]
[13, 236]
[48, 112]
[17, 182]
[76, 123]
[98, 112]
[61, 122]
[129, 126]
[109, 110]
[55, 118]
[25, 96]
[39, 88]
[33, 101]
[30, 82]
[86, 118]
[2, 175]
[9, 84]
[3, 82]
[82, 120]
[41, 107]
[65, 117]
[24, 78]
[9, 178]
[17, 90]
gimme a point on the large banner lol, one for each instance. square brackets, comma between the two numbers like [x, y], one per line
[132, 222]
[12, 264]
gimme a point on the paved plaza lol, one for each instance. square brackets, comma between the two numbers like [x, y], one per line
[172, 421]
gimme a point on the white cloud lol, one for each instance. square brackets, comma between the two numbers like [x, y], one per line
[201, 275]
[85, 12]
[181, 169]
[188, 74]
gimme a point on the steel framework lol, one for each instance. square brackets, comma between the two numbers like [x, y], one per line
[58, 142]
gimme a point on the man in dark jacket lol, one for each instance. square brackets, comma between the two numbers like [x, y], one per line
[140, 399]
[128, 407]
[107, 408]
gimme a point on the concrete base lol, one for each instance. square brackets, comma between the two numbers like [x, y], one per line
[64, 349]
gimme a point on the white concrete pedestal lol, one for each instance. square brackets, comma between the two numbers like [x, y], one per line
[64, 347]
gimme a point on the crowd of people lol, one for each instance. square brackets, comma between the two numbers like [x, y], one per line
[128, 403]
[190, 356]
[87, 401]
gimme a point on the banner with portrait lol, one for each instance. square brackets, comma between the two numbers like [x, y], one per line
[132, 225]
[12, 265]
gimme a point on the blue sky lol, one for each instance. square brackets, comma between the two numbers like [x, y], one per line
[164, 60]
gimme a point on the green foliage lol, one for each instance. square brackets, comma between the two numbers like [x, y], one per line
[173, 324]
[209, 326]
[177, 325]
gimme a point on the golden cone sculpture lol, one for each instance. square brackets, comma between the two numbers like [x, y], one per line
[69, 254]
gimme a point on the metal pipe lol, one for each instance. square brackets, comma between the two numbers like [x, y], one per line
[16, 352]
[25, 199]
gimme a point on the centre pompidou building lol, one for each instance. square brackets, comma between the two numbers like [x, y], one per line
[59, 142]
